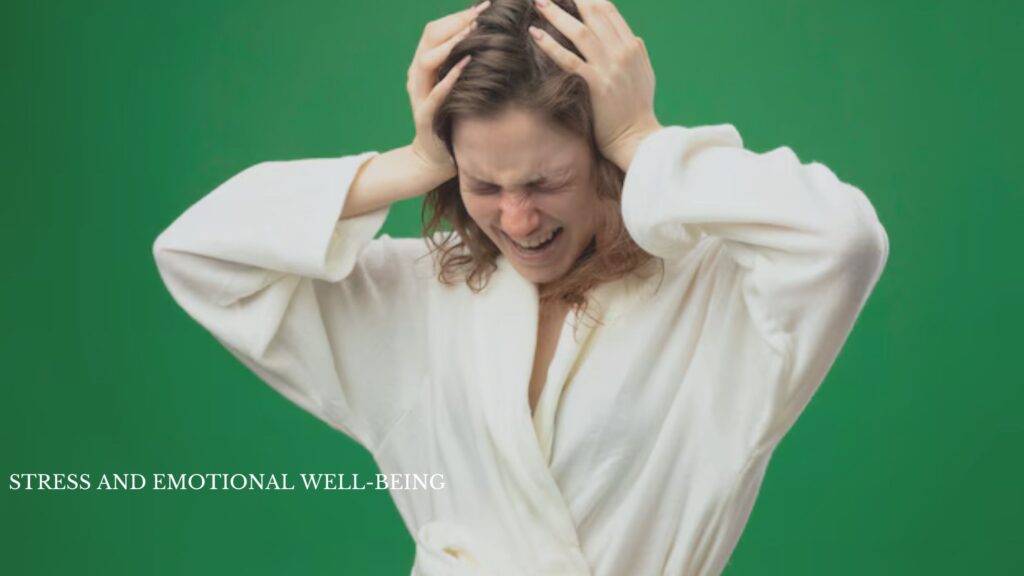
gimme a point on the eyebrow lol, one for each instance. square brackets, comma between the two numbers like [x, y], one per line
[555, 176]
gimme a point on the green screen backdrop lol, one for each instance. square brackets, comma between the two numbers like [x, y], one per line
[119, 115]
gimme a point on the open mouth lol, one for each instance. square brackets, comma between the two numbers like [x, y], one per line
[540, 250]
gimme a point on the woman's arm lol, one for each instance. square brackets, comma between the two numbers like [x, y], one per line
[425, 163]
[810, 247]
[302, 298]
[392, 176]
[280, 264]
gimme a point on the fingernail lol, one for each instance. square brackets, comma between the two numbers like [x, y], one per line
[542, 3]
[481, 7]
[536, 33]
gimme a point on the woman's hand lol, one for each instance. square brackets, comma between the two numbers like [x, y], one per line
[617, 70]
[426, 93]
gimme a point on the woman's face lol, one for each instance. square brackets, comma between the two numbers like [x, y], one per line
[523, 179]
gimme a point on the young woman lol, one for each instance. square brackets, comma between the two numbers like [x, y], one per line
[602, 352]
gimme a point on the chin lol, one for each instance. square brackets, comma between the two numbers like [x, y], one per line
[538, 277]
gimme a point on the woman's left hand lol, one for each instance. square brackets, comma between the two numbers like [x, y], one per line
[617, 70]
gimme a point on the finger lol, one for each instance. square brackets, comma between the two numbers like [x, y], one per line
[647, 57]
[595, 15]
[562, 56]
[583, 37]
[435, 56]
[616, 19]
[441, 90]
[441, 30]
[423, 74]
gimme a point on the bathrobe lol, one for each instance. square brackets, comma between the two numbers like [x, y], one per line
[651, 438]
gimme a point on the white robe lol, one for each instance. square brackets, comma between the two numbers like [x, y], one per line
[654, 430]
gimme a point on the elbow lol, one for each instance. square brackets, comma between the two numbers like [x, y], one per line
[163, 253]
[854, 235]
[862, 251]
[169, 270]
[880, 246]
[159, 248]
[179, 270]
[845, 219]
[160, 251]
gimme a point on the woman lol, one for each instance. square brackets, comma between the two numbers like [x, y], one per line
[718, 285]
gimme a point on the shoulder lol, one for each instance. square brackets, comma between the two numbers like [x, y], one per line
[417, 257]
[707, 255]
[706, 265]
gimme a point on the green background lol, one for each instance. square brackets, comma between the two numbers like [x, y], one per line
[119, 115]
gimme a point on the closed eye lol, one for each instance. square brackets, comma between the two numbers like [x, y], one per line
[486, 190]
[478, 189]
[548, 189]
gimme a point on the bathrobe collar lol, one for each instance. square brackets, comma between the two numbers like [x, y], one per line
[508, 309]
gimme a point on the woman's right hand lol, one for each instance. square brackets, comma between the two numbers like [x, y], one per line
[425, 91]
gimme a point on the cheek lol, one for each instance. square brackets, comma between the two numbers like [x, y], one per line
[586, 210]
[478, 209]
[468, 204]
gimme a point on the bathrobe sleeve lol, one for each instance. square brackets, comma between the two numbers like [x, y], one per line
[809, 247]
[321, 311]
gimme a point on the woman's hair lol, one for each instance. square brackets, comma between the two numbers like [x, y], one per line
[509, 71]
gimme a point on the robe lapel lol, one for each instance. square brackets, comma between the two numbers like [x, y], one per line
[573, 343]
[507, 311]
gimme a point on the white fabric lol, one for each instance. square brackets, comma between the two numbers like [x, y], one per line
[651, 460]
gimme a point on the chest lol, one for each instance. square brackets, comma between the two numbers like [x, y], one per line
[549, 330]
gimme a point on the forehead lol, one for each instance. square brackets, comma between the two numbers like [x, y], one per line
[514, 147]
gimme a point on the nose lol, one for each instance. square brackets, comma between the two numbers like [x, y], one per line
[519, 216]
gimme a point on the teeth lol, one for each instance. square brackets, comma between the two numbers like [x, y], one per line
[536, 243]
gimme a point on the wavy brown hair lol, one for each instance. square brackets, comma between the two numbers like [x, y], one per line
[508, 71]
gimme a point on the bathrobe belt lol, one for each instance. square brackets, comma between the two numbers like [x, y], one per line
[448, 549]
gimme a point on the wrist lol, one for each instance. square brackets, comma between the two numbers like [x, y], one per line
[621, 154]
[398, 174]
[428, 173]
